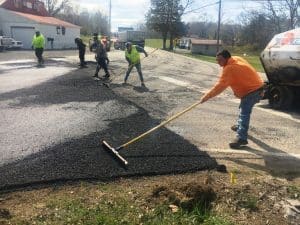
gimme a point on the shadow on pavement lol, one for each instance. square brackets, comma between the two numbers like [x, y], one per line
[279, 164]
[162, 152]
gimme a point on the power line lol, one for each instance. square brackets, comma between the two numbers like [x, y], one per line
[204, 6]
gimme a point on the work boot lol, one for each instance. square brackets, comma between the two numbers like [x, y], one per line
[237, 143]
[106, 75]
[143, 84]
[234, 127]
[95, 75]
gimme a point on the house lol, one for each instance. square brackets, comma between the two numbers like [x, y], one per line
[205, 47]
[20, 19]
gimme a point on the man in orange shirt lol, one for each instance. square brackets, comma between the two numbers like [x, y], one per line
[245, 83]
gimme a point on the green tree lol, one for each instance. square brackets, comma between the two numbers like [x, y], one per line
[164, 16]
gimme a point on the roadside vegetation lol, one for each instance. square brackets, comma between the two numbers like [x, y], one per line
[208, 198]
[252, 56]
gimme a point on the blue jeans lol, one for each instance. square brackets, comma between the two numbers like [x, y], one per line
[139, 70]
[246, 106]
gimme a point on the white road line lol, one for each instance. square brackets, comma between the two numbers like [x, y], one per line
[175, 81]
[257, 153]
[188, 85]
[290, 116]
[181, 83]
[18, 61]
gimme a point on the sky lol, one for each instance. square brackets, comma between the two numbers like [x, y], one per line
[129, 13]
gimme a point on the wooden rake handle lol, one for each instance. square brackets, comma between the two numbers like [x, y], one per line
[159, 126]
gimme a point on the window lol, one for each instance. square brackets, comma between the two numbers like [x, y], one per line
[58, 30]
[63, 30]
[29, 5]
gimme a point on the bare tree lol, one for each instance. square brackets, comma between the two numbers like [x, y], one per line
[278, 9]
[55, 6]
[274, 15]
[293, 7]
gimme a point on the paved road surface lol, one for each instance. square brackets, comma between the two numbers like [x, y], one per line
[53, 118]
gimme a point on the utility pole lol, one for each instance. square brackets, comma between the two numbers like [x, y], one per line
[219, 24]
[109, 24]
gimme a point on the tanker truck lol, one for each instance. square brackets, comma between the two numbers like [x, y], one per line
[281, 62]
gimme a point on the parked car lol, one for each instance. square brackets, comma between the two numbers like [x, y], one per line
[15, 44]
[5, 42]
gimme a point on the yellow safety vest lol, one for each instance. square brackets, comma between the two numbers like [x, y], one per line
[133, 56]
[38, 42]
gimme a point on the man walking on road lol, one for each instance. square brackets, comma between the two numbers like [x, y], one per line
[245, 83]
[38, 44]
[81, 47]
[133, 58]
[101, 57]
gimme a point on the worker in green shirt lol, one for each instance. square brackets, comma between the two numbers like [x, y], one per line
[38, 44]
[132, 56]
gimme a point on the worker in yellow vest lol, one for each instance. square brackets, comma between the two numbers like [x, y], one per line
[132, 56]
[38, 44]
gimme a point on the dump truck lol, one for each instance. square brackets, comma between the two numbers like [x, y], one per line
[281, 62]
[133, 36]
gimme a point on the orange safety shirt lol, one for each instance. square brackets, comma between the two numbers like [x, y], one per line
[240, 76]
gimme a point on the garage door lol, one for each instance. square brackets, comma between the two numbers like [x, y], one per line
[23, 34]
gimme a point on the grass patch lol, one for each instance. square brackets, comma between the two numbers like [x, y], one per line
[249, 202]
[293, 192]
[253, 60]
[199, 215]
[156, 43]
[109, 205]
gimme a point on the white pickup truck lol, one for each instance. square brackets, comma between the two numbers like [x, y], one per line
[5, 42]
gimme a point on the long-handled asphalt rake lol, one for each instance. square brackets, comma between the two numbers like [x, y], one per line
[115, 151]
[132, 65]
[105, 83]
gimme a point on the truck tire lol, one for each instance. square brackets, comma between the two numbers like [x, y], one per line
[280, 97]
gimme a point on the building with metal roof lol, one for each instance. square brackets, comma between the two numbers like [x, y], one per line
[20, 19]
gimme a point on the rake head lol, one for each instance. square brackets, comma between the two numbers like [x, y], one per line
[114, 153]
